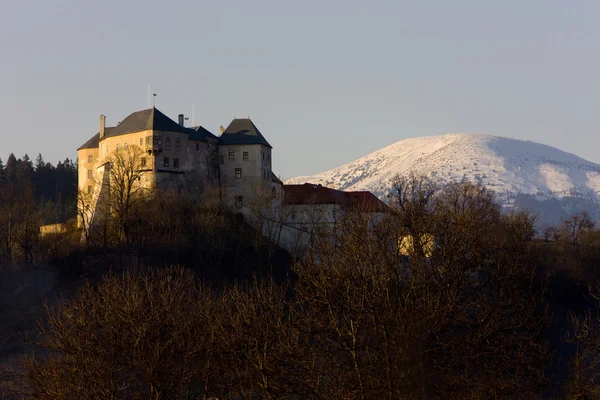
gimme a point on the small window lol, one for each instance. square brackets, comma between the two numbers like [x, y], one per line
[90, 174]
[263, 156]
[197, 146]
[148, 140]
[141, 141]
[143, 161]
[176, 163]
[90, 189]
[245, 157]
[177, 144]
[168, 143]
[238, 173]
[231, 155]
[165, 161]
[239, 201]
[273, 192]
[90, 159]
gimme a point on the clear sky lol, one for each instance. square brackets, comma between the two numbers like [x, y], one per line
[325, 81]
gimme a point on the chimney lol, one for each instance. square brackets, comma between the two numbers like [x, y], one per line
[181, 120]
[221, 130]
[102, 125]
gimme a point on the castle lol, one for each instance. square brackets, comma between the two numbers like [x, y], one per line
[238, 161]
[166, 154]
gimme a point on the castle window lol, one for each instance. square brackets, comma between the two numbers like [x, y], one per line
[143, 161]
[90, 159]
[90, 189]
[231, 155]
[165, 161]
[239, 201]
[238, 173]
[176, 163]
[273, 192]
[177, 144]
[148, 140]
[168, 143]
[90, 174]
[141, 141]
[263, 156]
[245, 156]
[197, 146]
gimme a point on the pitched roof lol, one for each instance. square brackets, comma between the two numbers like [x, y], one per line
[365, 200]
[93, 142]
[309, 193]
[144, 120]
[274, 178]
[199, 133]
[242, 131]
[150, 119]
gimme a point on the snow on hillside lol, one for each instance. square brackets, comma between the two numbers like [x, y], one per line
[501, 164]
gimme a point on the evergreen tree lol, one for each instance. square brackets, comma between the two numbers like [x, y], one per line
[24, 170]
[39, 163]
[11, 167]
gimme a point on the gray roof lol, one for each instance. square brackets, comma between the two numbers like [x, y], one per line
[199, 133]
[146, 120]
[274, 178]
[92, 143]
[242, 131]
[150, 119]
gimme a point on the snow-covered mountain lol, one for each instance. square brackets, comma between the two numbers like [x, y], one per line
[507, 166]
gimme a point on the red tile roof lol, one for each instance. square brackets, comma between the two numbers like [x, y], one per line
[309, 193]
[365, 200]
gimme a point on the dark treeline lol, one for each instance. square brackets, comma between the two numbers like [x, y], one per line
[443, 296]
[54, 187]
[31, 195]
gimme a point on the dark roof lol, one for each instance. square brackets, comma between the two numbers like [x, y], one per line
[274, 178]
[92, 143]
[150, 119]
[144, 120]
[309, 193]
[366, 200]
[242, 131]
[199, 133]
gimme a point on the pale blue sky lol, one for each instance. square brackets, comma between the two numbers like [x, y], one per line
[325, 81]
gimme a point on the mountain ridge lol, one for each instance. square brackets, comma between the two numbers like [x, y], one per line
[503, 164]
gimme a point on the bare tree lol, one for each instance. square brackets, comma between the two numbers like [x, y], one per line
[584, 366]
[128, 186]
[576, 225]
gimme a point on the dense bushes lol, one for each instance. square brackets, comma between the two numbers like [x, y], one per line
[362, 319]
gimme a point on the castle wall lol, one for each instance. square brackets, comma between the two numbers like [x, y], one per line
[255, 180]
